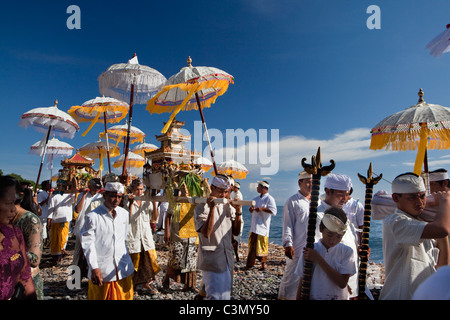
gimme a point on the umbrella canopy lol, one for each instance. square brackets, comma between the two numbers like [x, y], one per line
[422, 126]
[124, 80]
[118, 132]
[204, 162]
[191, 88]
[142, 148]
[101, 109]
[48, 120]
[95, 150]
[134, 160]
[232, 168]
[440, 44]
[54, 146]
[130, 80]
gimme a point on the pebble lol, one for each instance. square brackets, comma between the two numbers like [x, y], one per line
[252, 284]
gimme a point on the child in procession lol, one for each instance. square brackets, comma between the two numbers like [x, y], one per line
[333, 262]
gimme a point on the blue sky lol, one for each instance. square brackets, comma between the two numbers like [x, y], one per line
[310, 69]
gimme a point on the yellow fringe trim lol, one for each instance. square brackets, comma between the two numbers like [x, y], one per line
[438, 139]
[95, 114]
[221, 86]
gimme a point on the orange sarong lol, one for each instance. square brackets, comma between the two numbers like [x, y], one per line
[58, 237]
[114, 290]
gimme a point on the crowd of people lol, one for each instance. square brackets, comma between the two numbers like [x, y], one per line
[115, 228]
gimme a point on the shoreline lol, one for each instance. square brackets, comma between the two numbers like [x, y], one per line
[252, 284]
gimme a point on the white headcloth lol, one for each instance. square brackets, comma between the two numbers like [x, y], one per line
[304, 175]
[264, 184]
[114, 187]
[338, 182]
[408, 183]
[438, 176]
[221, 182]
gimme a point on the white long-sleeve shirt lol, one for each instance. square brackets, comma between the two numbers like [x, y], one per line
[139, 231]
[295, 222]
[103, 242]
[261, 220]
[60, 208]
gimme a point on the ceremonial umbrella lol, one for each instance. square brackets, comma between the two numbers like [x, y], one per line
[132, 81]
[191, 88]
[422, 126]
[134, 160]
[98, 149]
[232, 168]
[54, 148]
[204, 162]
[440, 44]
[120, 131]
[103, 109]
[142, 148]
[48, 120]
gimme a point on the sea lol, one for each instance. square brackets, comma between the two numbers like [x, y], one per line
[276, 230]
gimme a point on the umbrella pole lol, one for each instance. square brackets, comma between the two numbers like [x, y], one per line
[127, 145]
[107, 142]
[42, 159]
[206, 132]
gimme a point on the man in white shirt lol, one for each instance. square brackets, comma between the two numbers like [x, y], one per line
[60, 213]
[439, 180]
[258, 242]
[295, 227]
[410, 255]
[215, 224]
[83, 201]
[103, 241]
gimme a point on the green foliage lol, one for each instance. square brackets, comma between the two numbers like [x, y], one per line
[19, 178]
[193, 184]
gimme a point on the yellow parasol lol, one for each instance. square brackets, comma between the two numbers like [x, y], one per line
[191, 88]
[101, 109]
[232, 168]
[142, 148]
[422, 126]
[133, 160]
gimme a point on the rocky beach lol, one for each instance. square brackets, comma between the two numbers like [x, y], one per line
[252, 284]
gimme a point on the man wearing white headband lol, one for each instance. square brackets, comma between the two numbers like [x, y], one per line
[337, 187]
[215, 222]
[295, 225]
[410, 255]
[439, 180]
[258, 242]
[103, 241]
[333, 260]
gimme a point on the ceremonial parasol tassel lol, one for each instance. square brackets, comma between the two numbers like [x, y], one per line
[364, 252]
[317, 171]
